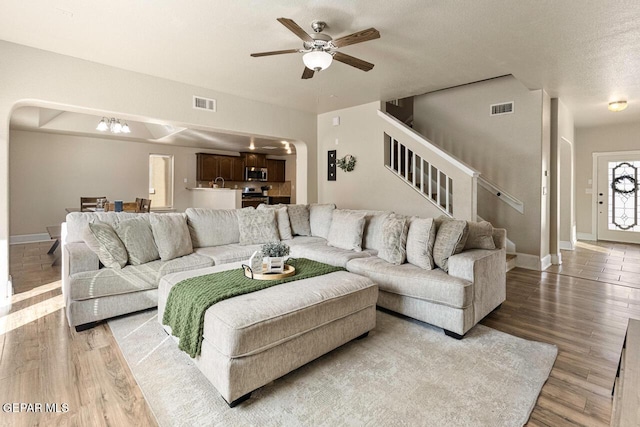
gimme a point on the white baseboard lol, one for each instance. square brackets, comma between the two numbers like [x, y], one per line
[29, 238]
[556, 259]
[567, 246]
[587, 236]
[532, 262]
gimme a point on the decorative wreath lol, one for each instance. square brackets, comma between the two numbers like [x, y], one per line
[619, 180]
[347, 163]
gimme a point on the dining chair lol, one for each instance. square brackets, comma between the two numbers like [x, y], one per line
[144, 205]
[88, 204]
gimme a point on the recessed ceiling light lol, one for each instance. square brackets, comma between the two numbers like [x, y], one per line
[617, 106]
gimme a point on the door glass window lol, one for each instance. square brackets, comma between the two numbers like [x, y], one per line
[623, 200]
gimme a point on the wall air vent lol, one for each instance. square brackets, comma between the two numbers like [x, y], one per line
[503, 108]
[200, 103]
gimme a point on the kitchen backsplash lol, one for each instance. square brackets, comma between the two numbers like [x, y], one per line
[278, 188]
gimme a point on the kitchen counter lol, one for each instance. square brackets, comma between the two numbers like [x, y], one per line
[216, 198]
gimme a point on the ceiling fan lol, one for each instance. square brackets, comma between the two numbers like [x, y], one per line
[321, 49]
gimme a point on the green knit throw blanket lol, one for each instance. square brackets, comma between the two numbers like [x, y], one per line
[189, 299]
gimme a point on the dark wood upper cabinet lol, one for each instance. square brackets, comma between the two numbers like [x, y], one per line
[276, 170]
[212, 166]
[255, 160]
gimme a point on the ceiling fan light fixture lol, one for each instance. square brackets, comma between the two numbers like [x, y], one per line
[617, 106]
[317, 60]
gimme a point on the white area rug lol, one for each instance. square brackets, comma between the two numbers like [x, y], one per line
[403, 373]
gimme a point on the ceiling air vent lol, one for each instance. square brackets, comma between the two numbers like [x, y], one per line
[503, 108]
[200, 103]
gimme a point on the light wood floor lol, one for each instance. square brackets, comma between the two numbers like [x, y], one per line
[43, 360]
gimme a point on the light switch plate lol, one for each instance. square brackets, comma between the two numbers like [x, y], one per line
[336, 121]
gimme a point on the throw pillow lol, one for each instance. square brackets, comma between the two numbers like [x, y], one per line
[299, 217]
[103, 240]
[171, 235]
[282, 218]
[138, 240]
[320, 219]
[480, 236]
[450, 240]
[347, 228]
[420, 241]
[372, 238]
[394, 239]
[257, 226]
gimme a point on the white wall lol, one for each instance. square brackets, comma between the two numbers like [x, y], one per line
[507, 150]
[49, 172]
[35, 77]
[589, 140]
[370, 185]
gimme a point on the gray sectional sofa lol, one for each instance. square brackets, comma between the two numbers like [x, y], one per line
[423, 269]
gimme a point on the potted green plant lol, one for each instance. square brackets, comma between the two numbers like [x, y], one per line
[274, 254]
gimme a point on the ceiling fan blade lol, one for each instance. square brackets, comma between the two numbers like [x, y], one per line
[275, 52]
[353, 61]
[307, 73]
[359, 37]
[295, 29]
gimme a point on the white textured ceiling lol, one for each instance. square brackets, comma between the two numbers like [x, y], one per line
[584, 51]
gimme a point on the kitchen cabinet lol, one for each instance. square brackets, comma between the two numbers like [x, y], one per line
[254, 160]
[276, 170]
[211, 166]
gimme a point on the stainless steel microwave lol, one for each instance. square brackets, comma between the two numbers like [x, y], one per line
[255, 174]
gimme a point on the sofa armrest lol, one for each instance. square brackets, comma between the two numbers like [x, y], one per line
[487, 270]
[81, 258]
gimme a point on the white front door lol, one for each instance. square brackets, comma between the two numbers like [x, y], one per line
[618, 198]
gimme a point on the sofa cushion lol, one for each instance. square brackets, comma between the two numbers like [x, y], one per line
[409, 280]
[213, 227]
[132, 278]
[480, 236]
[171, 235]
[257, 226]
[299, 217]
[103, 240]
[394, 239]
[77, 222]
[346, 230]
[372, 238]
[305, 240]
[450, 240]
[420, 241]
[228, 253]
[282, 218]
[328, 254]
[320, 217]
[137, 237]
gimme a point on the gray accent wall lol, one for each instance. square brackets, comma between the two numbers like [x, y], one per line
[511, 150]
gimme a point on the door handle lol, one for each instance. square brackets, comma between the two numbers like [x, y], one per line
[600, 203]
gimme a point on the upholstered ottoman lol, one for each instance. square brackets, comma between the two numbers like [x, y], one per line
[253, 339]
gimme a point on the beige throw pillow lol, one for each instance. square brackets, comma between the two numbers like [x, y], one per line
[347, 228]
[171, 235]
[258, 226]
[299, 217]
[103, 240]
[420, 242]
[282, 218]
[320, 219]
[138, 240]
[450, 240]
[480, 236]
[394, 239]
